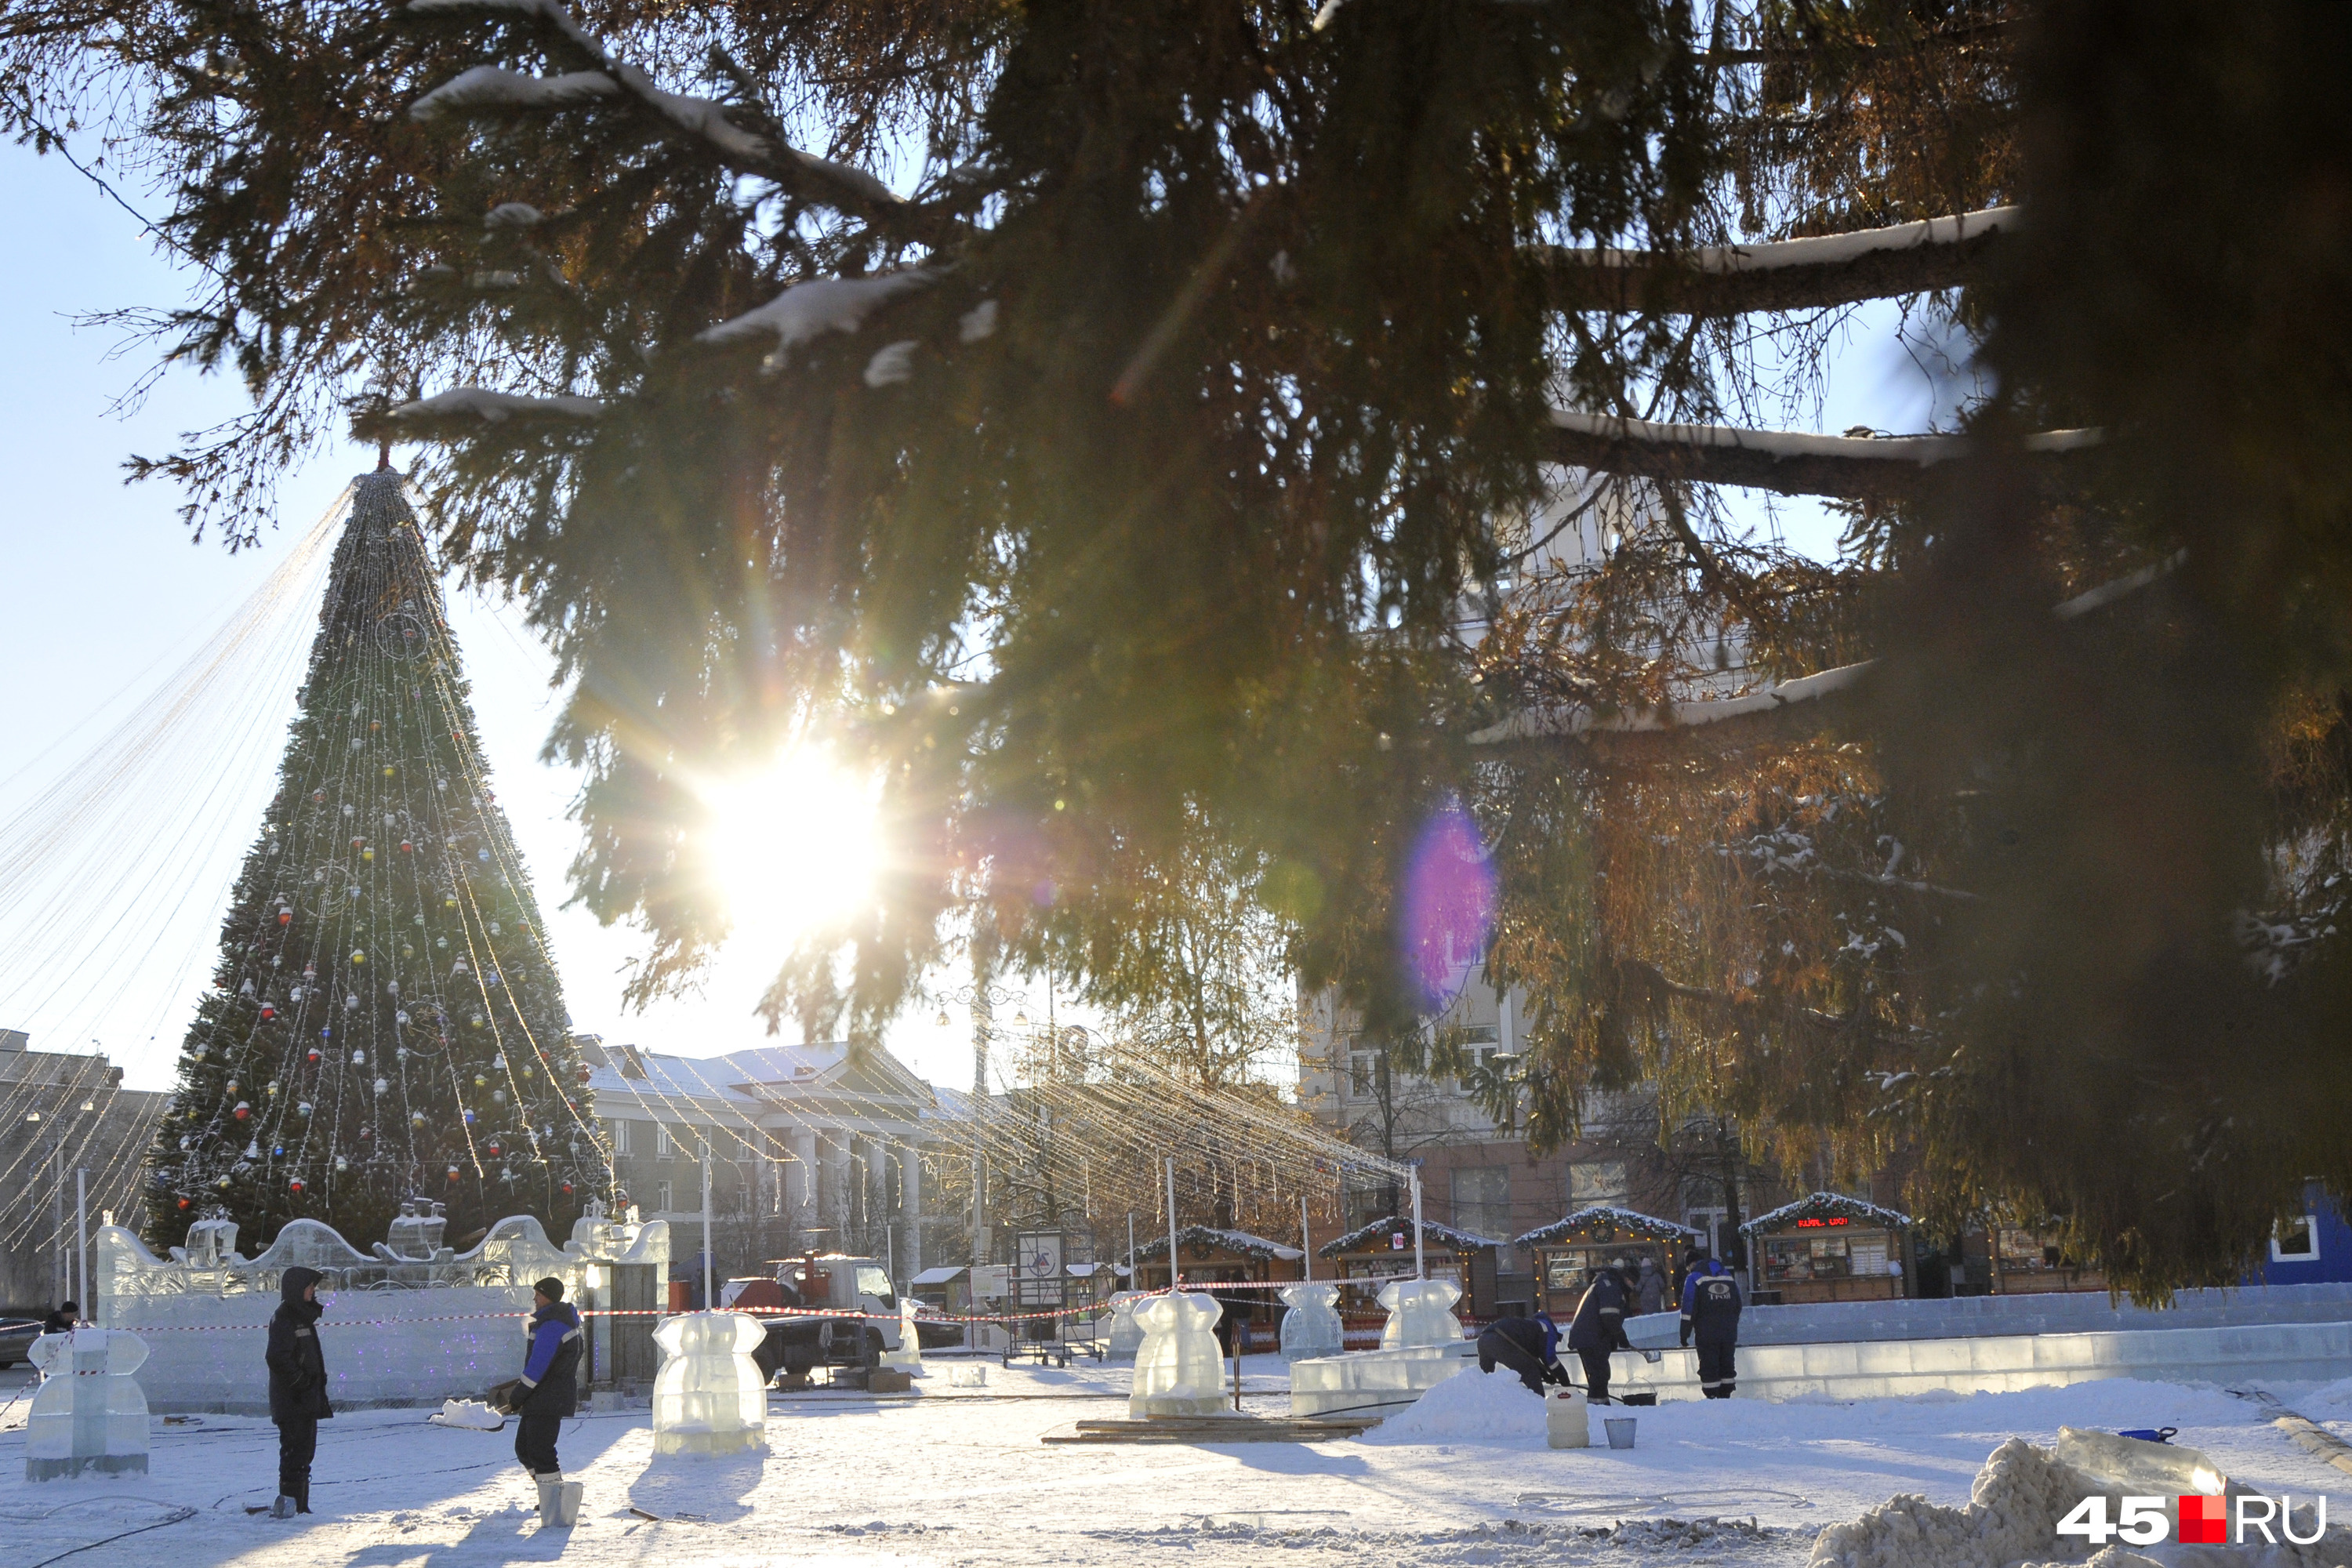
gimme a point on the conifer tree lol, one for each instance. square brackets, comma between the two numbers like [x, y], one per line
[384, 1021]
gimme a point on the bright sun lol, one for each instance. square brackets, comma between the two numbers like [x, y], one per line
[793, 848]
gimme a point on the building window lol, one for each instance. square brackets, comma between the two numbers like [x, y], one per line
[1591, 1182]
[623, 1141]
[1479, 1042]
[2296, 1240]
[661, 1197]
[1363, 1068]
[1482, 1199]
[664, 1142]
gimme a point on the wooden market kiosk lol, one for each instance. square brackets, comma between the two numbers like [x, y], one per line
[1829, 1247]
[1208, 1257]
[1370, 1256]
[1569, 1249]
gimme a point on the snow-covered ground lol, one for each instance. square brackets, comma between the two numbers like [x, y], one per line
[956, 1474]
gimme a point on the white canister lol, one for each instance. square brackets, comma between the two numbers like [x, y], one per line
[1566, 1422]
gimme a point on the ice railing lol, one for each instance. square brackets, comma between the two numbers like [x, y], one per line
[516, 1251]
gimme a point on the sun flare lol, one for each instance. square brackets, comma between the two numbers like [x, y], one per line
[794, 848]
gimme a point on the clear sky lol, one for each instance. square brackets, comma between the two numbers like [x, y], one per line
[106, 596]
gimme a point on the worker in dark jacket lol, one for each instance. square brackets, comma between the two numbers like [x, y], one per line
[1599, 1327]
[63, 1320]
[298, 1387]
[1529, 1346]
[1711, 1317]
[549, 1389]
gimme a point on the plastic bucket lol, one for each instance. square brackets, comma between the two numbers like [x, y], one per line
[1620, 1431]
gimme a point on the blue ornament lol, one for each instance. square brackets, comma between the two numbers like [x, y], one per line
[469, 1119]
[278, 1153]
[326, 1033]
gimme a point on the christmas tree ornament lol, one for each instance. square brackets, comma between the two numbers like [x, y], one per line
[497, 1097]
[294, 994]
[245, 989]
[270, 1088]
[183, 1203]
[200, 1052]
[358, 957]
[232, 1085]
[359, 1058]
[448, 903]
[351, 1003]
[315, 1053]
[367, 854]
[406, 847]
[253, 1150]
[383, 1084]
[499, 1061]
[326, 1033]
[285, 917]
[479, 1020]
[295, 1184]
[318, 796]
[400, 1017]
[481, 1082]
[357, 842]
[309, 972]
[392, 987]
[268, 1013]
[303, 1109]
[491, 1148]
[342, 1163]
[494, 928]
[277, 1151]
[459, 967]
[469, 1118]
[482, 855]
[416, 1119]
[222, 1184]
[375, 725]
[443, 943]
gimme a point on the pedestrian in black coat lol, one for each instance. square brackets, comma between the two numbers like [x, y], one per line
[298, 1387]
[1599, 1327]
[63, 1320]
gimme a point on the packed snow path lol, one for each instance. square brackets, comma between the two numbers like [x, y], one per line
[956, 1475]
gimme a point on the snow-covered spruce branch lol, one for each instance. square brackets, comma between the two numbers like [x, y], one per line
[1786, 275]
[484, 406]
[486, 88]
[1789, 462]
[1788, 711]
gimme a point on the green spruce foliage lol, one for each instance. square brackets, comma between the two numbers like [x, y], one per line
[384, 1022]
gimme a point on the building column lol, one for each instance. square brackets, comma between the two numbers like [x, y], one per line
[910, 1168]
[801, 1202]
[838, 1212]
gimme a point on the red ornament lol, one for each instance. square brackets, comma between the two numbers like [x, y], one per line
[314, 1056]
[453, 1172]
[587, 1072]
[268, 1012]
[296, 1183]
[493, 1148]
[285, 917]
[243, 1110]
[406, 847]
[357, 842]
[183, 1203]
[567, 1193]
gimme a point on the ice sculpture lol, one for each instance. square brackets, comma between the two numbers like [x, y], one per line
[1125, 1335]
[709, 1397]
[1178, 1371]
[908, 1356]
[1311, 1327]
[90, 1414]
[1421, 1313]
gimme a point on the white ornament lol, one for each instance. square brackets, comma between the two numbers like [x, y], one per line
[359, 1058]
[381, 1084]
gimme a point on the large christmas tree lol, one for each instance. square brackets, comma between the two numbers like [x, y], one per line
[385, 1020]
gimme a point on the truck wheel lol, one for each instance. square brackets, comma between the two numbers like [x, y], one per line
[874, 1348]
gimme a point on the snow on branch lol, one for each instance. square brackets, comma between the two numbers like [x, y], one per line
[497, 408]
[1786, 275]
[491, 88]
[806, 311]
[704, 118]
[1856, 467]
[1791, 708]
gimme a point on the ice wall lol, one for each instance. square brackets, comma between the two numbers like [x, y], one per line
[397, 1330]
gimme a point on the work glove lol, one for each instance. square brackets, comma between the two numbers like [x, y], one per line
[1686, 1331]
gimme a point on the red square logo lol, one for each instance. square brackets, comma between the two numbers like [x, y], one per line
[2204, 1521]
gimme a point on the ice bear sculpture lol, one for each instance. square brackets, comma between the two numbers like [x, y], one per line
[1178, 1370]
[90, 1414]
[1311, 1326]
[1420, 1314]
[709, 1397]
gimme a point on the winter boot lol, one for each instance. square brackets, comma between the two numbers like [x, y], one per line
[302, 1499]
[570, 1499]
[283, 1508]
[551, 1498]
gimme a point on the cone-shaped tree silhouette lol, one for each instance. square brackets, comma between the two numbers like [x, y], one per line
[385, 1020]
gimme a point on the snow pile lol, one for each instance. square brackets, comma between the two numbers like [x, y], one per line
[2012, 1518]
[488, 87]
[823, 305]
[470, 1415]
[1470, 1407]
